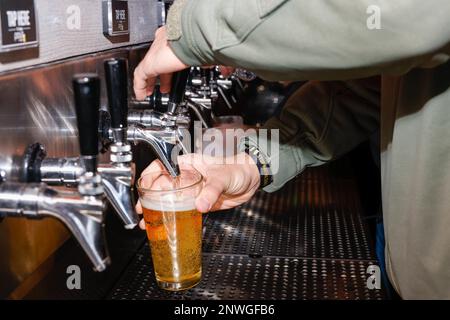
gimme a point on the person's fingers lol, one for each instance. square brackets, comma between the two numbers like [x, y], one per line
[150, 86]
[140, 83]
[226, 71]
[187, 159]
[186, 166]
[215, 185]
[196, 161]
[165, 81]
[219, 205]
[138, 207]
[155, 166]
[142, 224]
[193, 161]
[159, 31]
[159, 61]
[209, 195]
[152, 172]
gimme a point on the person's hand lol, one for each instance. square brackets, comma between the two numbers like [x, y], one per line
[226, 71]
[159, 61]
[229, 182]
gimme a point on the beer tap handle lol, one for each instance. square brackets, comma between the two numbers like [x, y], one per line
[117, 86]
[156, 99]
[86, 88]
[206, 75]
[179, 80]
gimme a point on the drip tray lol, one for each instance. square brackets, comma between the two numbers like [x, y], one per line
[306, 241]
[284, 224]
[243, 277]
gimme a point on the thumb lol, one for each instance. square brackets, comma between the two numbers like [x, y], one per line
[138, 207]
[209, 195]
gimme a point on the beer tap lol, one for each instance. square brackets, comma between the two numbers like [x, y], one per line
[203, 86]
[156, 114]
[166, 136]
[202, 93]
[118, 175]
[81, 212]
[152, 116]
[207, 85]
[153, 111]
[176, 96]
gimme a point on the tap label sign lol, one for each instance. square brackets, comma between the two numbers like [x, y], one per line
[115, 16]
[18, 25]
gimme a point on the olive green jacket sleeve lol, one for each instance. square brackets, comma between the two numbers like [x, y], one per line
[320, 122]
[304, 39]
[320, 40]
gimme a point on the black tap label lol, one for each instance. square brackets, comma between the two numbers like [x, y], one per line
[115, 17]
[18, 25]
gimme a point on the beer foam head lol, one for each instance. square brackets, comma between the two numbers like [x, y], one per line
[169, 202]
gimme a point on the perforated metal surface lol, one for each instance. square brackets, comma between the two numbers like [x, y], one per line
[307, 218]
[242, 277]
[306, 241]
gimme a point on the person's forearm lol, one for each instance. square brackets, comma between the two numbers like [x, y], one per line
[319, 123]
[304, 39]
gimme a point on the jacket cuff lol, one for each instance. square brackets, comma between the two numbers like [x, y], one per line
[184, 37]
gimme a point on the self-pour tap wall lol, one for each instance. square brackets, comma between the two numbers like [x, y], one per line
[43, 44]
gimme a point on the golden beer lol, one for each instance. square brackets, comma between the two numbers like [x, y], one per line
[174, 230]
[175, 239]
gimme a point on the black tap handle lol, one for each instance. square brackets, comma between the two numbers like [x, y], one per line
[179, 80]
[116, 73]
[156, 99]
[86, 89]
[206, 73]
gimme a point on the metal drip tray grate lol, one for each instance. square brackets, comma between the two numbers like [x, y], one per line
[306, 241]
[308, 218]
[242, 277]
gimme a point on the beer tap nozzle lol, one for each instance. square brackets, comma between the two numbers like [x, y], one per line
[165, 142]
[82, 215]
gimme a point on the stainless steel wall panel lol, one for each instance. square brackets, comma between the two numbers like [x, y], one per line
[60, 37]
